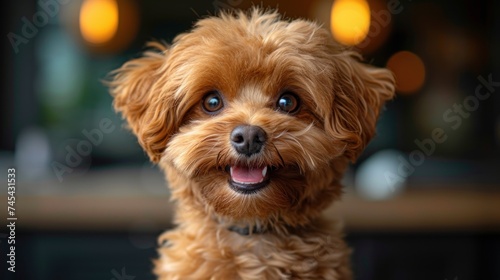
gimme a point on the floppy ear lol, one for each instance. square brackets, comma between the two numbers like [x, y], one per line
[360, 91]
[140, 99]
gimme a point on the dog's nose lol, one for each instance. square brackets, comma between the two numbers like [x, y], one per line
[248, 139]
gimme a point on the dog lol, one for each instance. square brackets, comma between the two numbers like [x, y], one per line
[254, 119]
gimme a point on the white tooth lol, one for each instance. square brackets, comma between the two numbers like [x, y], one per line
[231, 171]
[264, 171]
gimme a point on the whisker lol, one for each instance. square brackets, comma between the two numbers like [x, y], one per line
[279, 154]
[305, 130]
[311, 160]
[217, 159]
[281, 134]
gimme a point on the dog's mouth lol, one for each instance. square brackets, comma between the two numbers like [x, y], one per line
[248, 180]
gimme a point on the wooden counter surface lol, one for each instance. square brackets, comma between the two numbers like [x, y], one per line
[424, 210]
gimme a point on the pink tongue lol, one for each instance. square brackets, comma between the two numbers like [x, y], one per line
[241, 174]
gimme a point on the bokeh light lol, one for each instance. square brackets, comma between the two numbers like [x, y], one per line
[350, 21]
[378, 177]
[409, 70]
[380, 27]
[98, 20]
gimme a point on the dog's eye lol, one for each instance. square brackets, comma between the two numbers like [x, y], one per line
[212, 102]
[288, 102]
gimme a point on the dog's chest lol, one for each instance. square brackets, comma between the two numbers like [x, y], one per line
[257, 256]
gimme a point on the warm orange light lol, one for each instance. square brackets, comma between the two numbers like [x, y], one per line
[98, 20]
[380, 27]
[350, 21]
[409, 71]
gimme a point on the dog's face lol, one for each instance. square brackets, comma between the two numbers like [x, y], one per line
[251, 116]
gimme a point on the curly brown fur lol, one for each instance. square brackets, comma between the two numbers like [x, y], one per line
[250, 59]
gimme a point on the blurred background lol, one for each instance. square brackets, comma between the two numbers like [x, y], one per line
[423, 201]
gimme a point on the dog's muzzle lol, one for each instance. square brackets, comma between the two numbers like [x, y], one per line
[248, 140]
